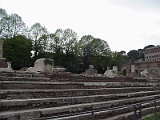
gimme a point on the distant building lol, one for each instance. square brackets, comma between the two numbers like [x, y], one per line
[152, 54]
[151, 63]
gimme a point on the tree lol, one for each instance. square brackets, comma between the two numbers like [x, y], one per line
[101, 52]
[148, 46]
[63, 45]
[12, 25]
[39, 37]
[133, 55]
[70, 39]
[85, 50]
[18, 51]
[140, 54]
[3, 15]
[56, 41]
[94, 51]
[117, 59]
[122, 52]
[56, 47]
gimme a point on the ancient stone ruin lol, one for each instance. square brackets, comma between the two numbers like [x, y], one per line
[91, 71]
[4, 66]
[42, 65]
[112, 73]
[58, 69]
[26, 96]
[41, 93]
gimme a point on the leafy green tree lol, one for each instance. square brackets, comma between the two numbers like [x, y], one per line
[101, 52]
[94, 51]
[12, 25]
[39, 37]
[63, 44]
[3, 15]
[56, 47]
[85, 50]
[148, 46]
[117, 59]
[70, 39]
[18, 51]
[133, 55]
[56, 42]
[140, 54]
[122, 52]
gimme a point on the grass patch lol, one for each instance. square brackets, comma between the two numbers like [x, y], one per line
[153, 117]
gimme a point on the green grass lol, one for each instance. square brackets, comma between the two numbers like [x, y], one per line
[153, 117]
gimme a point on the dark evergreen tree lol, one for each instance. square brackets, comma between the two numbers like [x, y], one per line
[18, 51]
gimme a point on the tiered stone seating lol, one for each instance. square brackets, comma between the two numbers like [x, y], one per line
[26, 96]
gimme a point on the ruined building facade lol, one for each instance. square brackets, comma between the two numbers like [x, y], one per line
[151, 63]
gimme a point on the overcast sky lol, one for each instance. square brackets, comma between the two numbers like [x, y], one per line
[124, 24]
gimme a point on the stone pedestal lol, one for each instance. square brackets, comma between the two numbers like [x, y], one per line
[115, 69]
[3, 63]
[91, 71]
[4, 66]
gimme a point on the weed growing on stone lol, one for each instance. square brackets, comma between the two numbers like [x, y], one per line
[153, 117]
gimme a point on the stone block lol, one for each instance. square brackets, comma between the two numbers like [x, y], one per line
[132, 68]
[58, 69]
[3, 63]
[43, 65]
[31, 70]
[91, 72]
[110, 74]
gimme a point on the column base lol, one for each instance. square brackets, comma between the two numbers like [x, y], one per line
[3, 63]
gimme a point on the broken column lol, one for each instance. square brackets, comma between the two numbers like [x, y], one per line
[132, 73]
[115, 69]
[132, 68]
[3, 63]
[91, 71]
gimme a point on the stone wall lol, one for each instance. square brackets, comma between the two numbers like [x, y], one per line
[137, 68]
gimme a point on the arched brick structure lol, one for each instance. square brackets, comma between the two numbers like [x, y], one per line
[150, 66]
[125, 70]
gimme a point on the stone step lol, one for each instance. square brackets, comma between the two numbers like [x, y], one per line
[18, 104]
[20, 74]
[46, 112]
[81, 78]
[39, 85]
[130, 115]
[70, 85]
[49, 93]
[2, 78]
[122, 113]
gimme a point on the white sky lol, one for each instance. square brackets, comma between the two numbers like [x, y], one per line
[124, 24]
